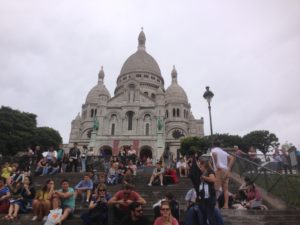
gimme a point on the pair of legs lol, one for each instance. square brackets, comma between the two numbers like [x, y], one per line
[222, 182]
[155, 176]
[40, 208]
[81, 192]
[182, 171]
[13, 211]
[67, 211]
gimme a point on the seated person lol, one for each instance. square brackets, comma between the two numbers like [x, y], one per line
[6, 170]
[42, 202]
[128, 177]
[4, 196]
[170, 176]
[174, 206]
[135, 217]
[22, 196]
[157, 173]
[182, 167]
[253, 197]
[84, 186]
[112, 175]
[132, 166]
[42, 167]
[121, 200]
[98, 208]
[166, 216]
[53, 167]
[66, 196]
[243, 188]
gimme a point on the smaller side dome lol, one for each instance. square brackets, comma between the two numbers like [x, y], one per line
[99, 90]
[175, 93]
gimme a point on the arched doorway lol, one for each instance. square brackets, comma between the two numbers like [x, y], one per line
[145, 152]
[106, 152]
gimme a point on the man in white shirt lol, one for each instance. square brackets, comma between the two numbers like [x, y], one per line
[222, 163]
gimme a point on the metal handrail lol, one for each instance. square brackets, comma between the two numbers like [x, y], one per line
[281, 185]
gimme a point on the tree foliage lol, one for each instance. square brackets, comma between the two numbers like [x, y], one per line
[46, 136]
[190, 145]
[262, 140]
[18, 130]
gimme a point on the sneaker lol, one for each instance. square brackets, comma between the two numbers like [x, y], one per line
[149, 184]
[34, 218]
[45, 218]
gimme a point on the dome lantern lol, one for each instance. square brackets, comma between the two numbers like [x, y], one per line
[142, 40]
[101, 76]
[174, 75]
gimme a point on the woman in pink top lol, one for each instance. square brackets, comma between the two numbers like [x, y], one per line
[166, 218]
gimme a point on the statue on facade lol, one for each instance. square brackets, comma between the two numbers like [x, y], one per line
[95, 124]
[159, 124]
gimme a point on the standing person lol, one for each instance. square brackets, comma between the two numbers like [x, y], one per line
[166, 217]
[157, 173]
[60, 156]
[74, 157]
[66, 195]
[286, 160]
[277, 158]
[167, 157]
[135, 216]
[207, 192]
[83, 157]
[222, 163]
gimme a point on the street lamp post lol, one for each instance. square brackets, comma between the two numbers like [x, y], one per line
[208, 95]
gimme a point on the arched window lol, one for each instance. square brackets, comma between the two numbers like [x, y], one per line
[146, 93]
[147, 129]
[113, 129]
[174, 113]
[152, 95]
[167, 114]
[130, 119]
[92, 113]
[95, 112]
[178, 113]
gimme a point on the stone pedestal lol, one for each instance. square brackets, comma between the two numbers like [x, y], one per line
[92, 143]
[160, 146]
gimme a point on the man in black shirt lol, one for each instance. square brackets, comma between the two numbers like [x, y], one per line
[135, 216]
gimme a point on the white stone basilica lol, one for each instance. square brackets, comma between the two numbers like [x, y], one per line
[141, 113]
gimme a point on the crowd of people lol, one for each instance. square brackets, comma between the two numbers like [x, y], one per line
[53, 204]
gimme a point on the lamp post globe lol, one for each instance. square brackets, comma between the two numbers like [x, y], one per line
[208, 95]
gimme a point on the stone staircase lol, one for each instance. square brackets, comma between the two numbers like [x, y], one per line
[154, 193]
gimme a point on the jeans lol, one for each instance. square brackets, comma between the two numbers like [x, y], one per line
[83, 164]
[195, 215]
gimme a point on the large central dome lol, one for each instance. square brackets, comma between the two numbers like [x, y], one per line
[141, 61]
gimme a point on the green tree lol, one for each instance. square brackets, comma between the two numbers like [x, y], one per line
[16, 130]
[229, 141]
[46, 136]
[191, 145]
[262, 140]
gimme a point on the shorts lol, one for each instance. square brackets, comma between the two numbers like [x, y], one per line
[68, 207]
[221, 179]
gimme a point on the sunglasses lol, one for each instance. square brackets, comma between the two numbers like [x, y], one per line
[165, 209]
[139, 210]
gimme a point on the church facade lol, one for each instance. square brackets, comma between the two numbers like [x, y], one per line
[141, 113]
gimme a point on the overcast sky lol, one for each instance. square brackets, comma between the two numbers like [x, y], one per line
[248, 52]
